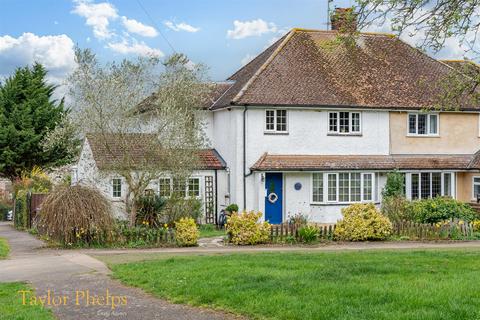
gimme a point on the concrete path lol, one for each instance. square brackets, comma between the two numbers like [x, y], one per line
[84, 281]
[213, 242]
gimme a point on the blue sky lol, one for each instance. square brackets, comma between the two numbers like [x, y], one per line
[223, 34]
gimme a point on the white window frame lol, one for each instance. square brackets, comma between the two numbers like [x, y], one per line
[427, 129]
[170, 186]
[408, 183]
[275, 118]
[474, 197]
[187, 191]
[113, 188]
[350, 123]
[337, 188]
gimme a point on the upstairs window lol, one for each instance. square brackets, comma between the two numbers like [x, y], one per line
[423, 124]
[276, 120]
[344, 122]
[117, 188]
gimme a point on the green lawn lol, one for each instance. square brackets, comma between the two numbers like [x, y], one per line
[209, 231]
[4, 248]
[428, 284]
[11, 304]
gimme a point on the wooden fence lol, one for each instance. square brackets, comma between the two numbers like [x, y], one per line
[453, 229]
[283, 232]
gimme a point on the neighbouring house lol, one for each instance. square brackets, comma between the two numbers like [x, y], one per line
[95, 163]
[313, 124]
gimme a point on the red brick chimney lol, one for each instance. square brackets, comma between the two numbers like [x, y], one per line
[344, 20]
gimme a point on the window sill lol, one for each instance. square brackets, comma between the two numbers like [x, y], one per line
[423, 136]
[276, 133]
[344, 134]
[322, 204]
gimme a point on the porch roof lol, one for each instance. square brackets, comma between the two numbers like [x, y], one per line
[270, 162]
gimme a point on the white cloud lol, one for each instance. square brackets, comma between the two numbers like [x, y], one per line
[249, 57]
[182, 26]
[138, 48]
[55, 53]
[244, 29]
[97, 15]
[139, 28]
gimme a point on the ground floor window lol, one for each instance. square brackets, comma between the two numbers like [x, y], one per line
[179, 187]
[342, 187]
[424, 185]
[117, 188]
[476, 187]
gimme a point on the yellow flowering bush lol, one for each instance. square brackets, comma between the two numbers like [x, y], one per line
[186, 233]
[476, 225]
[362, 222]
[245, 229]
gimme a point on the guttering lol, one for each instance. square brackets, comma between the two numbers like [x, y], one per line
[351, 106]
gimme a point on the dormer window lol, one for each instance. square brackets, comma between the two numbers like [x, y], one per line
[423, 124]
[276, 121]
[344, 123]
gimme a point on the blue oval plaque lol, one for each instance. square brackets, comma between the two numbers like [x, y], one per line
[298, 186]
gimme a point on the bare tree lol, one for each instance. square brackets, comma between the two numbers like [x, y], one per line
[144, 114]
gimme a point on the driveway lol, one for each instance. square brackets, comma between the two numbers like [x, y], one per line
[76, 275]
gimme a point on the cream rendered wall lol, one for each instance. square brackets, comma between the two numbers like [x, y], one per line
[459, 134]
[465, 186]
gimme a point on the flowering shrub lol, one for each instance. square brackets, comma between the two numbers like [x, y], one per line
[245, 229]
[362, 222]
[186, 232]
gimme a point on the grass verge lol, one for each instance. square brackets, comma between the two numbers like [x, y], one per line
[423, 284]
[11, 304]
[4, 248]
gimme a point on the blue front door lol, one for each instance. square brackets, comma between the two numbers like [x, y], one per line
[274, 197]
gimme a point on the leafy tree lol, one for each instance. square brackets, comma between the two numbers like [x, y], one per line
[113, 102]
[435, 21]
[27, 114]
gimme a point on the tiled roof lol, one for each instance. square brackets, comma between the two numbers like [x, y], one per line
[467, 67]
[365, 162]
[109, 152]
[314, 68]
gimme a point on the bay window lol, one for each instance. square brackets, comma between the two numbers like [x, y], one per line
[423, 124]
[275, 120]
[424, 185]
[342, 187]
[344, 122]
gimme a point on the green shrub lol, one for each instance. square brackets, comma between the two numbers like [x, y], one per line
[308, 233]
[397, 208]
[395, 185]
[150, 210]
[179, 207]
[21, 216]
[245, 229]
[441, 209]
[186, 233]
[232, 208]
[362, 222]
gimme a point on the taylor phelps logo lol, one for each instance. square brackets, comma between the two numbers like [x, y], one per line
[78, 298]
